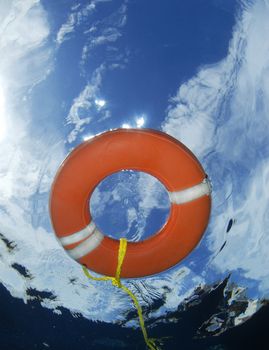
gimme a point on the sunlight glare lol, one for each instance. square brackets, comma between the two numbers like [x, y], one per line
[126, 126]
[87, 137]
[140, 122]
[100, 103]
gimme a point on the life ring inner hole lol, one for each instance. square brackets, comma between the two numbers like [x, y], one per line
[130, 204]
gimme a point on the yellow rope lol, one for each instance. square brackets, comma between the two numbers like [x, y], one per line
[117, 282]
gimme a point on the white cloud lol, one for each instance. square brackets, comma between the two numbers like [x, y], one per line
[66, 29]
[222, 116]
[23, 31]
[80, 14]
[2, 115]
[191, 115]
[100, 33]
[247, 244]
[75, 18]
[106, 32]
[22, 46]
[83, 103]
[140, 121]
[108, 35]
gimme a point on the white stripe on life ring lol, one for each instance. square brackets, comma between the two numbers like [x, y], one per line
[86, 246]
[190, 194]
[78, 236]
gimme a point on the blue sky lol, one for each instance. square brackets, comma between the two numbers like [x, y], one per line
[197, 70]
[144, 48]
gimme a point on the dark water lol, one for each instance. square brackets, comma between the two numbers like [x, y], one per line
[30, 326]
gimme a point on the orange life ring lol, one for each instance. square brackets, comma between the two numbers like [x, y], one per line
[150, 151]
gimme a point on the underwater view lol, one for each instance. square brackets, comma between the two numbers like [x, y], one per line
[193, 74]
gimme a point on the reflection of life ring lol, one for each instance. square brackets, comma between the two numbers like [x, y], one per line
[145, 150]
